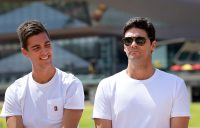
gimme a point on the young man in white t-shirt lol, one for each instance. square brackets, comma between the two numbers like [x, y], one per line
[47, 97]
[141, 96]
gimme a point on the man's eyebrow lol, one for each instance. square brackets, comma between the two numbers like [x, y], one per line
[47, 41]
[34, 46]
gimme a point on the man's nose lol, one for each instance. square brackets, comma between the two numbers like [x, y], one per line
[44, 51]
[133, 44]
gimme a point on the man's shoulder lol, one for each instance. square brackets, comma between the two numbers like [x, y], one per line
[168, 75]
[18, 85]
[113, 78]
[20, 82]
[117, 75]
[66, 77]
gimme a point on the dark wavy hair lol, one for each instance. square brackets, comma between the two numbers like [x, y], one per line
[141, 23]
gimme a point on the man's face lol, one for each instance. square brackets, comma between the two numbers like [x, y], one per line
[139, 52]
[39, 50]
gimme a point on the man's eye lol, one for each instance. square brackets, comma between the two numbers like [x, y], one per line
[36, 48]
[48, 45]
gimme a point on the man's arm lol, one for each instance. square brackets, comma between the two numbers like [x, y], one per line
[102, 123]
[179, 122]
[14, 122]
[71, 118]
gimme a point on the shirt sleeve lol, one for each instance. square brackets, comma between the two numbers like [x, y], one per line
[181, 105]
[102, 108]
[74, 95]
[11, 106]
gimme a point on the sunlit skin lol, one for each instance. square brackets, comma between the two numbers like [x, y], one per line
[136, 53]
[40, 53]
[139, 57]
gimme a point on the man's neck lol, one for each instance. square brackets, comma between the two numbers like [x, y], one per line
[43, 76]
[140, 72]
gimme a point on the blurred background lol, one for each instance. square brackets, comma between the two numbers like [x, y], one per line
[86, 35]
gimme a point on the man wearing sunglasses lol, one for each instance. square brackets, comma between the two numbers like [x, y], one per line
[141, 96]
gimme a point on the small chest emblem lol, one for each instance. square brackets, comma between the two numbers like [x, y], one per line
[55, 108]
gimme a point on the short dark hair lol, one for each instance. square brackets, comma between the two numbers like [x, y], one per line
[141, 23]
[28, 29]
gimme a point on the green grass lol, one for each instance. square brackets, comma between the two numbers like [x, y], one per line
[87, 122]
[2, 123]
[195, 113]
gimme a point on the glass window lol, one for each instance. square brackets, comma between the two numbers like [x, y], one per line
[159, 57]
[184, 56]
[96, 51]
[195, 56]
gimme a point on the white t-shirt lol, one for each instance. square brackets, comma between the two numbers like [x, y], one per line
[150, 103]
[42, 105]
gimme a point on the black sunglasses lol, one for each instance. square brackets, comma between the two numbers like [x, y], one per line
[138, 40]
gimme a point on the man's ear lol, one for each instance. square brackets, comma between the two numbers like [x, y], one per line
[24, 52]
[153, 45]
